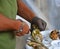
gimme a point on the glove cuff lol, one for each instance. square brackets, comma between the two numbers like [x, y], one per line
[35, 19]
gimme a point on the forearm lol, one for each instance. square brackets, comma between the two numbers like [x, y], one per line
[7, 24]
[24, 11]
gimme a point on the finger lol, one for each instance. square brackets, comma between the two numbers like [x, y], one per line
[40, 26]
[27, 32]
[44, 25]
[19, 34]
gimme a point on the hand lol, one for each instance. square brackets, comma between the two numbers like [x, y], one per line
[25, 29]
[39, 23]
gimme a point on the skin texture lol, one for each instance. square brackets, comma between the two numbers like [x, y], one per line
[29, 15]
[7, 24]
[14, 25]
[24, 11]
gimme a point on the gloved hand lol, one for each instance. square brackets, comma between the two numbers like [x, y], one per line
[41, 24]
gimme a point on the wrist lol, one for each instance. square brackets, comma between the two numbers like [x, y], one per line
[35, 19]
